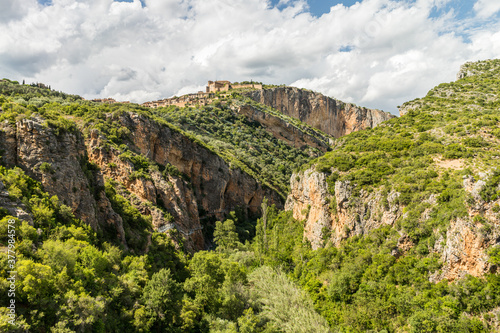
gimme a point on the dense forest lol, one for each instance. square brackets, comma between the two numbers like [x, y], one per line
[262, 275]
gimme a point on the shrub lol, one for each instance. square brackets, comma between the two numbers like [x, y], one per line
[491, 191]
[46, 168]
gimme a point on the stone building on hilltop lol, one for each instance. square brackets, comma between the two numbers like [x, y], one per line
[203, 98]
[216, 86]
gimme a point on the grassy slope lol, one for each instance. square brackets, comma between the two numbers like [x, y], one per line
[450, 133]
[456, 124]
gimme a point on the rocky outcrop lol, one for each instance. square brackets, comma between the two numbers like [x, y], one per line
[407, 107]
[285, 131]
[463, 252]
[464, 248]
[331, 116]
[57, 159]
[171, 193]
[465, 71]
[218, 187]
[337, 212]
[62, 155]
[13, 206]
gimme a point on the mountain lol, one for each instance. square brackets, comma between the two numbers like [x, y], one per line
[329, 115]
[106, 197]
[182, 168]
[431, 174]
[255, 209]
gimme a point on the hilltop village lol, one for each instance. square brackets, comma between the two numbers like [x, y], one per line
[203, 98]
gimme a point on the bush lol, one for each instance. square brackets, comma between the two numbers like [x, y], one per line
[491, 191]
[46, 168]
[454, 151]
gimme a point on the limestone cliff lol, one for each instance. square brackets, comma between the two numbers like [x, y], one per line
[336, 211]
[31, 143]
[336, 214]
[463, 249]
[329, 115]
[169, 192]
[218, 187]
[286, 131]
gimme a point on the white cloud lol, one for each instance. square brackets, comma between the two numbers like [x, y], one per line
[395, 52]
[487, 8]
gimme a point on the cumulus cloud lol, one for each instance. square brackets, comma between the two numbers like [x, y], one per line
[376, 53]
[487, 8]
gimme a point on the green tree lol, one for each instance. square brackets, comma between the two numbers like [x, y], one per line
[162, 300]
[206, 280]
[82, 312]
[225, 235]
[284, 303]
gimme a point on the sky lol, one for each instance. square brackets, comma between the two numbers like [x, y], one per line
[374, 53]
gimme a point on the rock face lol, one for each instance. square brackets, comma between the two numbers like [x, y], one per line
[324, 113]
[30, 144]
[465, 71]
[285, 131]
[463, 250]
[338, 214]
[218, 188]
[407, 107]
[171, 193]
[60, 160]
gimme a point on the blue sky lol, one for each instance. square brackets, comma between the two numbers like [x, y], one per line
[378, 53]
[320, 7]
[463, 8]
[316, 7]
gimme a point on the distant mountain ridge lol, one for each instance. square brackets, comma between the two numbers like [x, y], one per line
[327, 114]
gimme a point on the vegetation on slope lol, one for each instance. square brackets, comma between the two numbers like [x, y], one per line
[236, 138]
[72, 280]
[242, 143]
[455, 124]
[35, 94]
[450, 135]
[362, 287]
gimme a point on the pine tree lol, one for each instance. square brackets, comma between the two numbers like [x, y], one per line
[225, 235]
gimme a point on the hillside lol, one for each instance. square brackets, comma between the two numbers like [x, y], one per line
[174, 219]
[408, 206]
[327, 114]
[439, 155]
[110, 199]
[235, 148]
